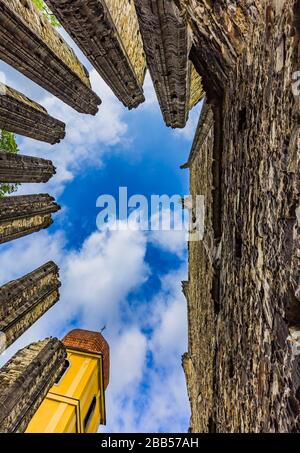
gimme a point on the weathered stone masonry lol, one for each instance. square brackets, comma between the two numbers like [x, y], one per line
[30, 44]
[26, 214]
[243, 364]
[107, 33]
[199, 362]
[25, 381]
[22, 116]
[16, 168]
[24, 301]
[167, 44]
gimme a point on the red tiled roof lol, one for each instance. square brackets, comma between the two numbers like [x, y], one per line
[92, 342]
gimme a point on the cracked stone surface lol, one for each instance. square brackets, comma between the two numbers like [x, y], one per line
[25, 381]
[23, 116]
[25, 300]
[17, 168]
[29, 43]
[243, 363]
[112, 43]
[25, 214]
[167, 43]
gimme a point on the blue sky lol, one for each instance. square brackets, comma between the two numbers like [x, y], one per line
[129, 281]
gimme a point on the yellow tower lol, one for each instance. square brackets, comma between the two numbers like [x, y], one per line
[76, 402]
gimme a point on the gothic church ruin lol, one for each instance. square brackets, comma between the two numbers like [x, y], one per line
[242, 366]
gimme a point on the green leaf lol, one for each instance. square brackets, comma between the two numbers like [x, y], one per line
[40, 4]
[8, 144]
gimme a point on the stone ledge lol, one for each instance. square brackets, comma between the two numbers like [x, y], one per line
[30, 44]
[22, 116]
[112, 43]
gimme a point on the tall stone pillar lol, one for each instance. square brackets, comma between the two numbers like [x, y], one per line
[25, 381]
[167, 43]
[22, 116]
[243, 364]
[25, 300]
[16, 168]
[201, 288]
[112, 43]
[26, 214]
[29, 43]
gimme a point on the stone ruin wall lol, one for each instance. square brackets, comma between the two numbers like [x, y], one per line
[25, 381]
[20, 115]
[260, 252]
[28, 316]
[25, 214]
[125, 19]
[196, 89]
[244, 332]
[42, 27]
[198, 362]
[13, 229]
[25, 300]
[21, 98]
[18, 168]
[243, 364]
[30, 44]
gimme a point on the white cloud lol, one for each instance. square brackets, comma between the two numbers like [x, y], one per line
[147, 389]
[151, 102]
[171, 241]
[97, 280]
[88, 138]
[128, 354]
[31, 252]
[189, 131]
[108, 266]
[171, 331]
[167, 409]
[3, 78]
[167, 404]
[169, 317]
[172, 236]
[156, 399]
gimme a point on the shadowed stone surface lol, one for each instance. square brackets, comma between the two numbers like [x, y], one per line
[26, 214]
[221, 33]
[30, 44]
[167, 44]
[25, 300]
[25, 381]
[199, 363]
[16, 168]
[107, 33]
[243, 363]
[22, 116]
